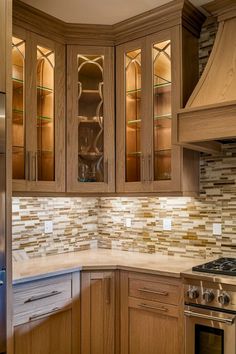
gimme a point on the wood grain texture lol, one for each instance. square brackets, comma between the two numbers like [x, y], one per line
[3, 39]
[27, 185]
[76, 313]
[153, 315]
[98, 312]
[49, 335]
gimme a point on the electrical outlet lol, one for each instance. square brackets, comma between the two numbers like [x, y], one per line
[128, 222]
[217, 229]
[48, 227]
[167, 224]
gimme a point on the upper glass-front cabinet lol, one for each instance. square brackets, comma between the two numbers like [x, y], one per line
[90, 120]
[38, 67]
[148, 96]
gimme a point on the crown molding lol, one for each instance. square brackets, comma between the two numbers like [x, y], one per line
[222, 9]
[174, 13]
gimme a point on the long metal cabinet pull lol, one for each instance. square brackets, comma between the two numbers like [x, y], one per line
[43, 296]
[108, 290]
[150, 167]
[145, 306]
[36, 166]
[106, 165]
[156, 292]
[143, 179]
[229, 321]
[34, 317]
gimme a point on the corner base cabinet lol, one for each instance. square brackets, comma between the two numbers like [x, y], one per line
[98, 312]
[151, 315]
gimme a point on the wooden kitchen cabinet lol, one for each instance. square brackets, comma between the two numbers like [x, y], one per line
[151, 87]
[98, 313]
[48, 335]
[151, 314]
[90, 120]
[38, 113]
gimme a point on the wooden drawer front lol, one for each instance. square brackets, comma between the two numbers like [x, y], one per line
[32, 297]
[154, 291]
[153, 306]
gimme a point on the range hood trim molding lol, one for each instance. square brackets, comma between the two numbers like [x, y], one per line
[210, 113]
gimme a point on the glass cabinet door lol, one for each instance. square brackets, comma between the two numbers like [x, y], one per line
[18, 108]
[45, 114]
[162, 112]
[133, 115]
[91, 165]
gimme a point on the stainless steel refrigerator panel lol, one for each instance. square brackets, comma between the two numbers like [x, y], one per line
[2, 181]
[2, 311]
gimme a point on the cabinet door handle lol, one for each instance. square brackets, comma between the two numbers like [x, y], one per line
[106, 165]
[36, 166]
[150, 167]
[156, 292]
[28, 164]
[143, 179]
[149, 307]
[42, 296]
[43, 314]
[108, 290]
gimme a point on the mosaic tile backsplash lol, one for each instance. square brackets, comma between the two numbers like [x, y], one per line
[82, 223]
[74, 225]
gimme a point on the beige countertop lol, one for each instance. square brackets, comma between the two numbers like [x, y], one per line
[36, 268]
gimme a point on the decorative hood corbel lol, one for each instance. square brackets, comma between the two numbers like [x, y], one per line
[210, 113]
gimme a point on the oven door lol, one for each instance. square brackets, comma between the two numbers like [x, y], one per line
[209, 332]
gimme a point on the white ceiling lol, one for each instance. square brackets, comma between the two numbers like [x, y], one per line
[98, 11]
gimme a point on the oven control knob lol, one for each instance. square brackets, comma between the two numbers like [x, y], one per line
[208, 296]
[192, 293]
[224, 299]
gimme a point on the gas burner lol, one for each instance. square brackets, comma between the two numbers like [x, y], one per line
[226, 266]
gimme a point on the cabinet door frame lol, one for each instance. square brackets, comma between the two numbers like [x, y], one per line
[73, 185]
[108, 311]
[31, 42]
[121, 184]
[174, 34]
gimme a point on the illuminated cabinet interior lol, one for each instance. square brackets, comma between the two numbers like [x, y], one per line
[38, 72]
[90, 119]
[148, 97]
[18, 108]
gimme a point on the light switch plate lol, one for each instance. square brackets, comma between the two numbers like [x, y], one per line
[167, 224]
[128, 222]
[48, 227]
[217, 229]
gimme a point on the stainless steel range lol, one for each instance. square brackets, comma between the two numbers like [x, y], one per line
[210, 308]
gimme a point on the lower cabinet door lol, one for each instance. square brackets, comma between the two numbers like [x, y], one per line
[48, 335]
[98, 313]
[150, 332]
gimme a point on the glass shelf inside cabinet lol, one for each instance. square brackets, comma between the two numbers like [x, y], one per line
[133, 97]
[45, 114]
[90, 118]
[18, 112]
[162, 110]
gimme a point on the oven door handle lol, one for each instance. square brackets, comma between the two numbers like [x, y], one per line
[228, 321]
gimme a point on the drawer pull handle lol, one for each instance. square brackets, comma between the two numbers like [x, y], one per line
[156, 292]
[43, 296]
[39, 315]
[164, 309]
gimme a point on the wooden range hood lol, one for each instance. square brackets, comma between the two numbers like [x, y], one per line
[210, 113]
